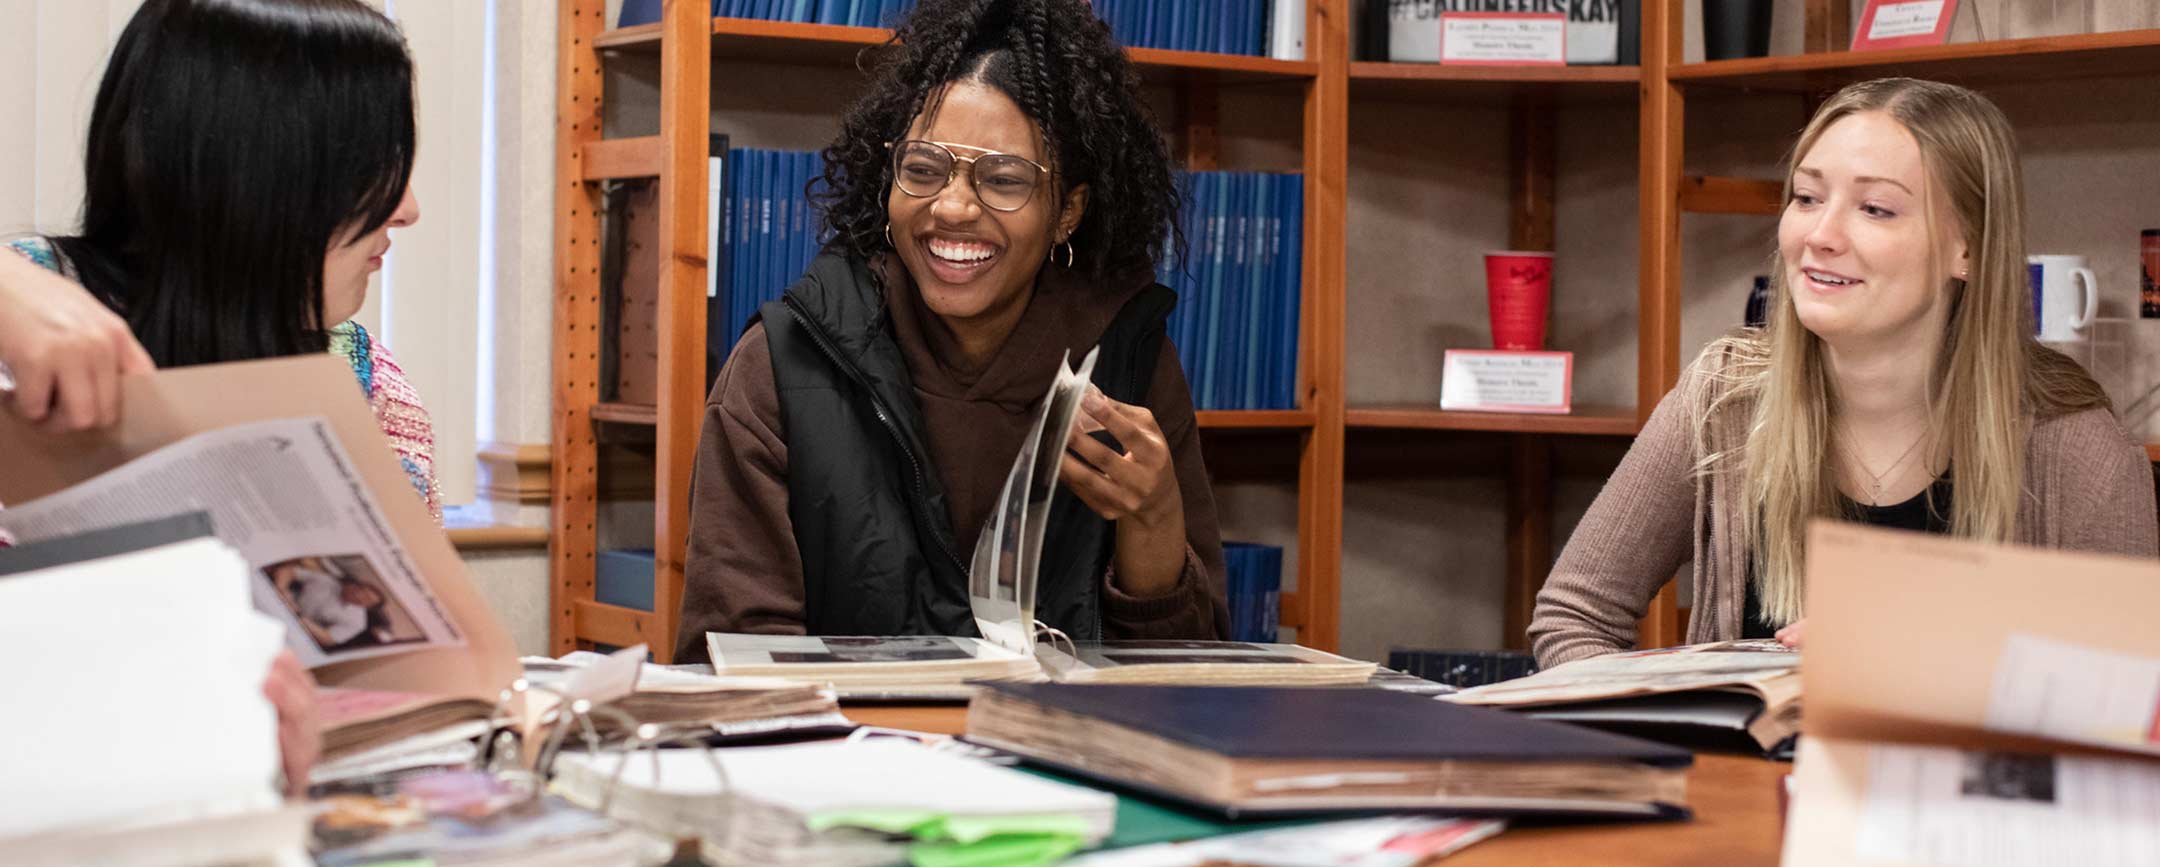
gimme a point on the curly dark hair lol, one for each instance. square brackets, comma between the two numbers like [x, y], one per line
[1056, 60]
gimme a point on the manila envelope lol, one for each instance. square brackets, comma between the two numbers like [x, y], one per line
[165, 407]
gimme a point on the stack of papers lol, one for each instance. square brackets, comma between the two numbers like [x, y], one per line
[96, 648]
[672, 696]
[841, 804]
[1729, 693]
[369, 732]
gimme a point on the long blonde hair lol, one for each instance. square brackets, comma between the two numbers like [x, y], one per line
[1991, 377]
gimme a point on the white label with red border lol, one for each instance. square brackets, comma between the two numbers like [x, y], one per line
[1503, 39]
[1894, 20]
[1903, 23]
[1493, 380]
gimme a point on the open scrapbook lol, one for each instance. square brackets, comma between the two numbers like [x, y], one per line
[1002, 591]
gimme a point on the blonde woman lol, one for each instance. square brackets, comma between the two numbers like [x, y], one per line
[1897, 384]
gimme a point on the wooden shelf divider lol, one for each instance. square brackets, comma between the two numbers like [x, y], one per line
[1714, 195]
[1586, 75]
[616, 158]
[627, 413]
[1585, 421]
[1255, 419]
[2085, 55]
[1422, 82]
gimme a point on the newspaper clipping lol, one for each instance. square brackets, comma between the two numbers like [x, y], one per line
[284, 493]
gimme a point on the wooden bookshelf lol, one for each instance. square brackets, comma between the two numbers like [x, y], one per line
[688, 44]
[2152, 452]
[1331, 86]
[2050, 58]
[1584, 421]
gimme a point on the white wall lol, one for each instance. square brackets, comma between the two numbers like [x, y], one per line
[431, 282]
[427, 304]
[469, 310]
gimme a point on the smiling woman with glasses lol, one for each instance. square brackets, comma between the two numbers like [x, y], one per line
[998, 199]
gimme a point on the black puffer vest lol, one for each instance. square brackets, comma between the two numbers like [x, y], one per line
[869, 513]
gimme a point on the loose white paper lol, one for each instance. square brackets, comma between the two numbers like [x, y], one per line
[1932, 805]
[134, 687]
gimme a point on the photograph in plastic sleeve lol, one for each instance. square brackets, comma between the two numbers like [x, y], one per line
[1197, 658]
[861, 649]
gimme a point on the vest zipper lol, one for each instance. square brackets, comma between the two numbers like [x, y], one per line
[877, 405]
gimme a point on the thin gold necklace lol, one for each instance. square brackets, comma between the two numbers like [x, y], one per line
[1875, 495]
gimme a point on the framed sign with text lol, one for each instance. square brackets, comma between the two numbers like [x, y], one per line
[1499, 380]
[1503, 39]
[1903, 23]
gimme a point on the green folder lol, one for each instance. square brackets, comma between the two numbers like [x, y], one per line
[1143, 821]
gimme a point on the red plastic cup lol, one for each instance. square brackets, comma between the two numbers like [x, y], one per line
[1518, 293]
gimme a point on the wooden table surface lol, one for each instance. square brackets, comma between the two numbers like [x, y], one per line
[1734, 797]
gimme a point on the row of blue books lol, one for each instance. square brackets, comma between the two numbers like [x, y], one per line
[855, 13]
[1250, 27]
[770, 231]
[1254, 576]
[1236, 322]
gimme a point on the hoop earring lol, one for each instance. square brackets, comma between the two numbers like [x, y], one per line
[1068, 253]
[888, 237]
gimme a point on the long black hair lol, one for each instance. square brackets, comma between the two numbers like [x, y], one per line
[1056, 60]
[233, 141]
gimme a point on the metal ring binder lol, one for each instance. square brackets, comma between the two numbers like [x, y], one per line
[579, 713]
[1054, 635]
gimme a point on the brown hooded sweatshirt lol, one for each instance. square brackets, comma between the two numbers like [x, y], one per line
[743, 573]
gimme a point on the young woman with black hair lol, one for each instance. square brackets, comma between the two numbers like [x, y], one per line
[997, 199]
[246, 162]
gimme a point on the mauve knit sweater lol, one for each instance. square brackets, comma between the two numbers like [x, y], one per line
[2089, 488]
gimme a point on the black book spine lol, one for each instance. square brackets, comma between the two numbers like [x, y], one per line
[1373, 30]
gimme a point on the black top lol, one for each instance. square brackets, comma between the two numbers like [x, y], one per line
[1914, 514]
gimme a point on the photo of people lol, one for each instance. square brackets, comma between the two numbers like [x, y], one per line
[340, 601]
[2009, 777]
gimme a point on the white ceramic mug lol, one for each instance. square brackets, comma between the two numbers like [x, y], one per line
[2065, 296]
